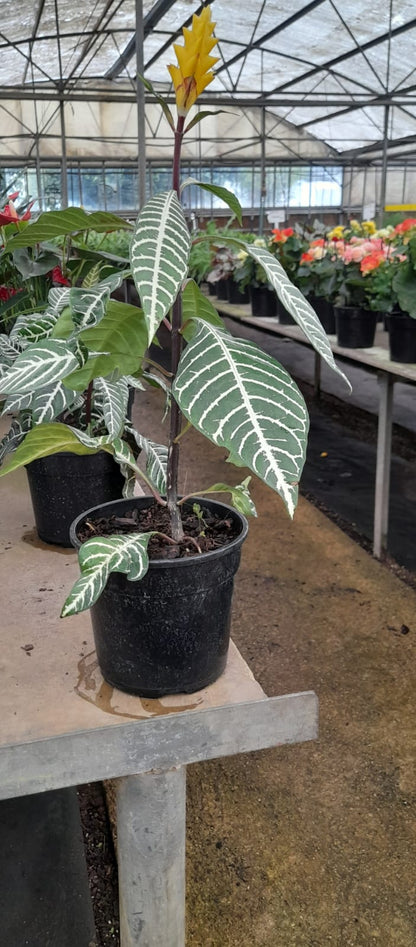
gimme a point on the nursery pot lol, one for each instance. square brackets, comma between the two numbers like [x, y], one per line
[64, 484]
[355, 327]
[402, 337]
[263, 302]
[235, 295]
[325, 312]
[221, 288]
[169, 632]
[285, 318]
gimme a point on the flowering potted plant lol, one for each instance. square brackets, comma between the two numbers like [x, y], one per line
[69, 403]
[251, 277]
[402, 317]
[355, 313]
[169, 631]
[287, 246]
[316, 277]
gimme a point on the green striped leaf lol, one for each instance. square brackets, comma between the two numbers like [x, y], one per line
[242, 399]
[240, 496]
[114, 404]
[49, 403]
[295, 303]
[58, 223]
[10, 349]
[88, 306]
[46, 439]
[99, 557]
[159, 254]
[195, 303]
[157, 459]
[15, 435]
[33, 328]
[122, 330]
[18, 402]
[40, 365]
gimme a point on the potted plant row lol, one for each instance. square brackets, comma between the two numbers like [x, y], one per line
[157, 571]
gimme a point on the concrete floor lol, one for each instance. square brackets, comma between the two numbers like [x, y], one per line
[313, 844]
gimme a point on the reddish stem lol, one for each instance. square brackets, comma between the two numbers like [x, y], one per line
[176, 349]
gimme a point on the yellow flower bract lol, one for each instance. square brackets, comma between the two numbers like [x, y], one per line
[194, 70]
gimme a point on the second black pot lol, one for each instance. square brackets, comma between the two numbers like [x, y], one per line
[325, 312]
[355, 327]
[64, 484]
[263, 302]
[167, 633]
[402, 337]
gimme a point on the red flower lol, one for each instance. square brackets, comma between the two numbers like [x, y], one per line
[318, 243]
[307, 257]
[57, 276]
[9, 213]
[280, 236]
[372, 261]
[6, 292]
[406, 225]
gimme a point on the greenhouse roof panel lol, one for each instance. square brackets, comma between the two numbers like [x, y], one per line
[328, 68]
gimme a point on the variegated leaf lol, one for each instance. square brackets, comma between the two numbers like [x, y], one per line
[9, 351]
[40, 365]
[58, 299]
[114, 403]
[156, 460]
[295, 303]
[88, 306]
[49, 403]
[45, 439]
[242, 399]
[32, 328]
[14, 436]
[18, 402]
[159, 256]
[240, 496]
[99, 557]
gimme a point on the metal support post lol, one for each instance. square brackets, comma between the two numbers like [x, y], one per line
[151, 858]
[317, 376]
[140, 93]
[382, 489]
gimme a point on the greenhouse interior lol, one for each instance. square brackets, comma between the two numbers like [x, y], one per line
[207, 372]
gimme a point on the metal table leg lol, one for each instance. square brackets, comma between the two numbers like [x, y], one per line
[151, 858]
[382, 489]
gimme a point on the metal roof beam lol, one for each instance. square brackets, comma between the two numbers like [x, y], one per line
[256, 44]
[344, 56]
[149, 22]
[378, 145]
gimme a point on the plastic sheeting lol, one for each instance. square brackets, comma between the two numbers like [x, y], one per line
[325, 71]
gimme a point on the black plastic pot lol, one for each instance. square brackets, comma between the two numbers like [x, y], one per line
[325, 312]
[402, 337]
[284, 316]
[235, 295]
[169, 632]
[65, 484]
[221, 288]
[355, 327]
[263, 302]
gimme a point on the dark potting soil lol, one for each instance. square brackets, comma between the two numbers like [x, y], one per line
[202, 533]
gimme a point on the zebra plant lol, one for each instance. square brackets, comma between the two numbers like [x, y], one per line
[66, 375]
[236, 395]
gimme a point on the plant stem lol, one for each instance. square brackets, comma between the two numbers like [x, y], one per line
[88, 398]
[176, 348]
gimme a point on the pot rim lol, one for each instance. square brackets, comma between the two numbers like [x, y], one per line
[170, 563]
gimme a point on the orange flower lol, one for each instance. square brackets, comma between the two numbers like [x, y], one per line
[405, 225]
[307, 257]
[318, 243]
[280, 236]
[194, 70]
[372, 262]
